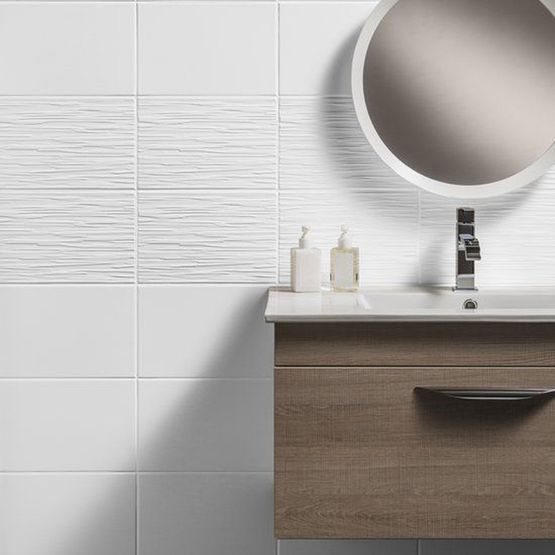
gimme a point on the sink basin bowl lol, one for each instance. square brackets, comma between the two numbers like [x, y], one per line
[418, 303]
[447, 300]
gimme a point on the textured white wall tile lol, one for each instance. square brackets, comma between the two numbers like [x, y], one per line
[348, 547]
[384, 225]
[207, 236]
[67, 331]
[62, 142]
[323, 146]
[206, 514]
[203, 331]
[207, 48]
[192, 143]
[206, 425]
[516, 235]
[317, 41]
[67, 48]
[67, 425]
[67, 514]
[329, 176]
[48, 236]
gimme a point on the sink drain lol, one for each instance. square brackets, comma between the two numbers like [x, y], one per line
[470, 304]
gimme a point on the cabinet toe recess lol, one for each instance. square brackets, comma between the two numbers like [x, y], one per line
[414, 431]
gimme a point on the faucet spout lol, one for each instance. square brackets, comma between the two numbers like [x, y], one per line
[467, 249]
[471, 247]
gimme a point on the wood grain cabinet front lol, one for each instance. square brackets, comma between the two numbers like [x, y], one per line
[361, 453]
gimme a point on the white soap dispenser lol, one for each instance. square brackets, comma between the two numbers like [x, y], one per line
[344, 264]
[305, 264]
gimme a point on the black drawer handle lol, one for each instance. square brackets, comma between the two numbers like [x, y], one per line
[486, 394]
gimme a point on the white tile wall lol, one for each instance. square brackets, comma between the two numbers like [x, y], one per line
[60, 331]
[207, 143]
[67, 142]
[317, 40]
[516, 235]
[60, 236]
[206, 425]
[67, 425]
[180, 337]
[209, 513]
[144, 148]
[209, 48]
[207, 236]
[67, 48]
[67, 514]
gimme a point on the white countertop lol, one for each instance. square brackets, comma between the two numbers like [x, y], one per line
[442, 304]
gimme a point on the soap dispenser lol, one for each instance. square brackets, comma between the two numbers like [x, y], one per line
[344, 264]
[305, 264]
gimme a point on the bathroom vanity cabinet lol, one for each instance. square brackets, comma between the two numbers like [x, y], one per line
[365, 447]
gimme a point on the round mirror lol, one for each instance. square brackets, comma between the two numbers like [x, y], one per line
[458, 96]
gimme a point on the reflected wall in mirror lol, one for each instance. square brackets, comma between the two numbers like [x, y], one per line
[458, 96]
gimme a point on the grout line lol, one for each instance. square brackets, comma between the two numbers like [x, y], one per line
[140, 284]
[64, 472]
[234, 96]
[278, 144]
[211, 378]
[69, 190]
[125, 472]
[131, 379]
[159, 472]
[77, 190]
[136, 327]
[67, 378]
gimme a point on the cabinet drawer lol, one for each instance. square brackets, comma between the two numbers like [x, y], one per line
[360, 454]
[415, 344]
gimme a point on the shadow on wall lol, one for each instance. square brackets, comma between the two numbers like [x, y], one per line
[219, 427]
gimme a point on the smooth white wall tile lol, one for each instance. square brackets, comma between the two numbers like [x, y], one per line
[204, 48]
[67, 514]
[487, 547]
[207, 236]
[67, 425]
[67, 331]
[516, 235]
[61, 236]
[204, 332]
[67, 142]
[317, 41]
[347, 547]
[220, 143]
[206, 425]
[205, 514]
[67, 48]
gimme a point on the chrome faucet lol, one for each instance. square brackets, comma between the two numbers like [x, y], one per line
[468, 249]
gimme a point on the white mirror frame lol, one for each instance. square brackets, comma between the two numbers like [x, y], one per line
[526, 176]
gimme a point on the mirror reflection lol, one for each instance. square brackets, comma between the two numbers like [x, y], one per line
[463, 91]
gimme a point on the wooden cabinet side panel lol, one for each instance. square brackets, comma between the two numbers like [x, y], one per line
[359, 455]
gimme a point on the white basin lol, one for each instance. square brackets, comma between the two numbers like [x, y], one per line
[420, 304]
[441, 299]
